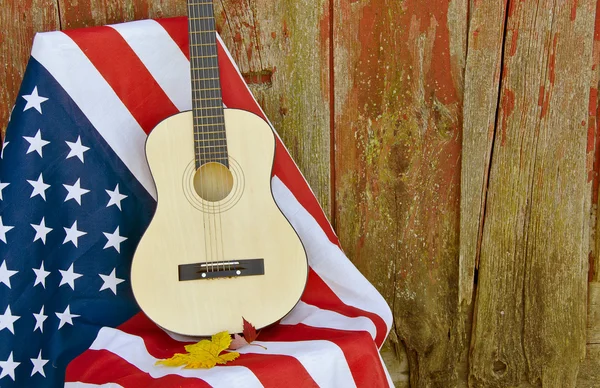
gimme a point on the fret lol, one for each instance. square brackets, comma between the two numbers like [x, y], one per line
[203, 89]
[204, 68]
[207, 99]
[208, 108]
[207, 132]
[208, 150]
[209, 125]
[212, 154]
[205, 79]
[203, 32]
[201, 44]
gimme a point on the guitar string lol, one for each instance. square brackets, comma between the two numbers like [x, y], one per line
[205, 50]
[198, 149]
[224, 150]
[221, 149]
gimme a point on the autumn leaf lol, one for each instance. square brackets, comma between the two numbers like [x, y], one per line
[250, 335]
[204, 354]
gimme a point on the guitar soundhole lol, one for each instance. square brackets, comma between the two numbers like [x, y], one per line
[213, 182]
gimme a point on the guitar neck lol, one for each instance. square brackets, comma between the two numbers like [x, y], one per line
[210, 141]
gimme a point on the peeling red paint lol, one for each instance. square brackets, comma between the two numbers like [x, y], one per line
[513, 42]
[511, 8]
[574, 10]
[543, 101]
[508, 106]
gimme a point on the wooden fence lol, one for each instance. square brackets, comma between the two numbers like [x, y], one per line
[454, 145]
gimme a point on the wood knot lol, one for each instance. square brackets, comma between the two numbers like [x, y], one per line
[499, 368]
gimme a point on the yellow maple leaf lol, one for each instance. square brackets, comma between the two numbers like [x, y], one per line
[204, 354]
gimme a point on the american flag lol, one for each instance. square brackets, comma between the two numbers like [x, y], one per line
[76, 195]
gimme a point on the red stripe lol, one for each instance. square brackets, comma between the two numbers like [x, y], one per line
[103, 367]
[272, 370]
[318, 293]
[126, 74]
[358, 348]
[177, 29]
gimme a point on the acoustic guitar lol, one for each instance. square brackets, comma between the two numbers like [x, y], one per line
[218, 247]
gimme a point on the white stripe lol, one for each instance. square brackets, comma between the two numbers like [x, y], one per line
[315, 317]
[162, 57]
[79, 384]
[132, 349]
[323, 360]
[96, 99]
[327, 260]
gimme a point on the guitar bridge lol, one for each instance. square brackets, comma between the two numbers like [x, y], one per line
[221, 269]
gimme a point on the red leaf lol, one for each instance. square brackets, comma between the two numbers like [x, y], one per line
[250, 335]
[249, 331]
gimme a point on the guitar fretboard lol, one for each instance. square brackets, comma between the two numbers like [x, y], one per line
[210, 142]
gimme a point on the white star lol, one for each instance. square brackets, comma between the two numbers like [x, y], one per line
[38, 364]
[73, 234]
[8, 367]
[115, 197]
[39, 187]
[40, 275]
[111, 281]
[75, 191]
[7, 320]
[77, 149]
[66, 317]
[114, 240]
[5, 274]
[68, 277]
[2, 187]
[41, 231]
[36, 143]
[3, 147]
[39, 320]
[34, 101]
[3, 230]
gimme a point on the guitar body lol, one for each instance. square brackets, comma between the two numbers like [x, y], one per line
[187, 229]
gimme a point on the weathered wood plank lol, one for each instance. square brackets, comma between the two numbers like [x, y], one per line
[76, 14]
[398, 108]
[282, 48]
[20, 20]
[530, 306]
[594, 153]
[482, 87]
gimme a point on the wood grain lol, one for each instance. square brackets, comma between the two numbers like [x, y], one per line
[20, 20]
[589, 373]
[480, 106]
[282, 49]
[76, 13]
[398, 116]
[594, 153]
[530, 306]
